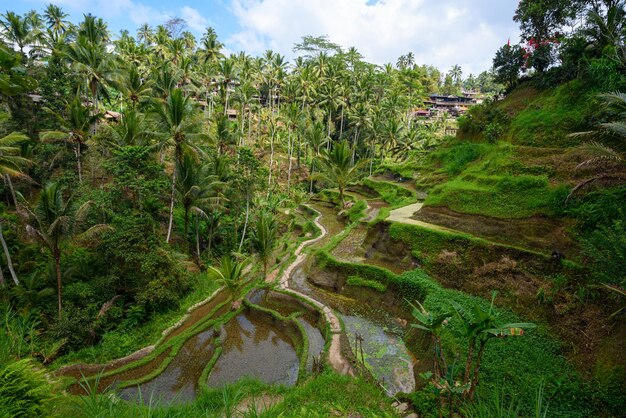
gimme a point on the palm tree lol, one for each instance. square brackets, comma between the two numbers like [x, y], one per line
[361, 120]
[338, 169]
[11, 160]
[264, 237]
[599, 154]
[316, 138]
[55, 221]
[134, 87]
[145, 34]
[210, 48]
[93, 64]
[17, 30]
[229, 273]
[55, 18]
[179, 130]
[456, 73]
[197, 190]
[131, 131]
[75, 129]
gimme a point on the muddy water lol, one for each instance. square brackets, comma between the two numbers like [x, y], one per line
[384, 350]
[179, 381]
[253, 347]
[309, 319]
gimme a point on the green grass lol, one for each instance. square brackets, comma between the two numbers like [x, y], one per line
[391, 193]
[330, 394]
[548, 117]
[518, 365]
[372, 284]
[491, 180]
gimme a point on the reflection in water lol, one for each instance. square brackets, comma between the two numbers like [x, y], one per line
[384, 350]
[316, 342]
[385, 353]
[179, 380]
[252, 348]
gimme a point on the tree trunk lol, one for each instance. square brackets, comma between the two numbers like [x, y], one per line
[356, 137]
[249, 124]
[245, 225]
[57, 265]
[198, 236]
[468, 362]
[475, 377]
[269, 177]
[11, 189]
[78, 162]
[341, 125]
[169, 227]
[289, 151]
[8, 257]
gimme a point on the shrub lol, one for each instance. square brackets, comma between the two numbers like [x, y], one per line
[25, 390]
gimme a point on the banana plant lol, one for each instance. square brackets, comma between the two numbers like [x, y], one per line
[480, 326]
[432, 324]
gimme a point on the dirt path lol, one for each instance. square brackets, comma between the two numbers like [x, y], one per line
[405, 213]
[335, 358]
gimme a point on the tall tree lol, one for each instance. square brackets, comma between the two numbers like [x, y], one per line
[54, 221]
[180, 130]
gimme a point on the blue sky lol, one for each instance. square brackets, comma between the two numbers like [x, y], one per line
[438, 32]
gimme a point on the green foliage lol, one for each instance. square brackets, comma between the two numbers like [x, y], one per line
[25, 390]
[405, 288]
[606, 246]
[330, 393]
[391, 193]
[507, 65]
[358, 281]
[519, 365]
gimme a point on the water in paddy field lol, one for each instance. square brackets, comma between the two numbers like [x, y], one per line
[316, 342]
[286, 308]
[385, 353]
[254, 348]
[179, 381]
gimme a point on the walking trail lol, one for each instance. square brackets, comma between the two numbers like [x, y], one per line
[335, 358]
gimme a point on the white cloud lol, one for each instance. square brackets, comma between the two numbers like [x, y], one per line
[193, 18]
[441, 33]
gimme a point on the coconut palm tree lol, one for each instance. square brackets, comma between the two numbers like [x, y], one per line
[338, 168]
[56, 19]
[132, 130]
[598, 154]
[179, 129]
[134, 87]
[17, 30]
[76, 125]
[229, 273]
[197, 191]
[264, 237]
[93, 64]
[55, 221]
[316, 138]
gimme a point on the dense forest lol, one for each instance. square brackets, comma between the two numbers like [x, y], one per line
[158, 195]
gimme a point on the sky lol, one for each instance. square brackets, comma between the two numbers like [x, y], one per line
[438, 32]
